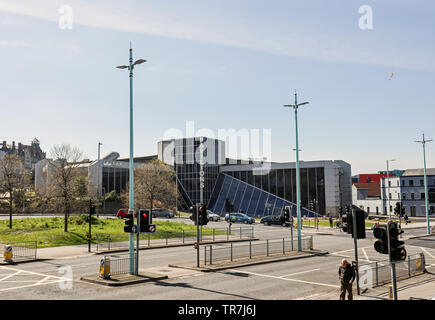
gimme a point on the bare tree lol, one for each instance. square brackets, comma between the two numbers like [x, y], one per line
[65, 173]
[13, 178]
[153, 182]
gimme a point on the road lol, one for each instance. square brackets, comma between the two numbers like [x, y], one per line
[297, 279]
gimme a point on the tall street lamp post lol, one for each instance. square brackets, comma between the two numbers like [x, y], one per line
[298, 187]
[426, 198]
[388, 186]
[130, 67]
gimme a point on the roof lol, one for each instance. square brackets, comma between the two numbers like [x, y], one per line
[419, 172]
[374, 189]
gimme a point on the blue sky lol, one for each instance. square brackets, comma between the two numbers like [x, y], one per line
[223, 64]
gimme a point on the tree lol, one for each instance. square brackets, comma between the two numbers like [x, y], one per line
[13, 178]
[153, 182]
[65, 173]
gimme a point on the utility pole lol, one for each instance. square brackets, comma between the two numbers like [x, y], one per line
[130, 67]
[426, 196]
[298, 187]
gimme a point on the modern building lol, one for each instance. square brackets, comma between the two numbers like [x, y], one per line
[255, 188]
[367, 196]
[29, 154]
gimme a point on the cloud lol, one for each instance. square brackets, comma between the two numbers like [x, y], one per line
[14, 44]
[272, 38]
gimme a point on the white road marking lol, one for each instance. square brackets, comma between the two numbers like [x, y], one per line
[293, 274]
[365, 254]
[31, 285]
[286, 279]
[427, 252]
[10, 276]
[30, 272]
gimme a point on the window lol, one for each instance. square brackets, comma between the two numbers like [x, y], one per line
[377, 210]
[368, 209]
[397, 182]
[422, 195]
[412, 196]
[389, 196]
[411, 183]
[421, 182]
[403, 183]
[389, 183]
[432, 210]
[404, 196]
[391, 208]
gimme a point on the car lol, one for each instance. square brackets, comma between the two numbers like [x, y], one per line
[162, 213]
[213, 216]
[122, 213]
[277, 220]
[239, 217]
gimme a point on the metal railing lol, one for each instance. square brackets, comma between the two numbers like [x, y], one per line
[378, 273]
[23, 250]
[118, 241]
[231, 252]
[118, 264]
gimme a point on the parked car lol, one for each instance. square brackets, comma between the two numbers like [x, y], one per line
[162, 213]
[239, 217]
[277, 220]
[213, 216]
[122, 213]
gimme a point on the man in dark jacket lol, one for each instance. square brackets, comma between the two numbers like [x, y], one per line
[346, 274]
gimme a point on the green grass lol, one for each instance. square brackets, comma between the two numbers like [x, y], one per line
[49, 232]
[325, 223]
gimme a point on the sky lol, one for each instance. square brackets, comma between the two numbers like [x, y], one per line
[224, 64]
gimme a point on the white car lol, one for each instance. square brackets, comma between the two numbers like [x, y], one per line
[213, 216]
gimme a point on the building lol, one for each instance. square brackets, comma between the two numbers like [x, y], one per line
[409, 190]
[367, 196]
[255, 188]
[113, 173]
[29, 154]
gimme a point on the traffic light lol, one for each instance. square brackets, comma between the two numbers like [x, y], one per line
[402, 211]
[203, 218]
[145, 221]
[381, 245]
[397, 209]
[194, 211]
[287, 214]
[340, 211]
[129, 221]
[347, 222]
[360, 224]
[397, 248]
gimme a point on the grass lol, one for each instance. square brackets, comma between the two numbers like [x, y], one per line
[325, 223]
[49, 232]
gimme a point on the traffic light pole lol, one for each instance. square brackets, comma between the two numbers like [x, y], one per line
[355, 242]
[131, 164]
[137, 245]
[393, 266]
[197, 234]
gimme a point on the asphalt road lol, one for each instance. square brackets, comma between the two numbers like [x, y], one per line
[296, 279]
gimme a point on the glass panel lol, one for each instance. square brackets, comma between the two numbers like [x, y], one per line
[239, 196]
[246, 199]
[280, 183]
[261, 204]
[254, 201]
[272, 185]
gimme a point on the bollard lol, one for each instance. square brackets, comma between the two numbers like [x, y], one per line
[8, 253]
[231, 252]
[250, 250]
[105, 268]
[377, 274]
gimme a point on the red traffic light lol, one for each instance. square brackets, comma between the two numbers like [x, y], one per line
[145, 215]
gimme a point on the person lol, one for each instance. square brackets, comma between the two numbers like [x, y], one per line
[405, 217]
[330, 222]
[346, 275]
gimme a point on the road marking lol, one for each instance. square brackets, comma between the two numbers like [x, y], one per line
[30, 272]
[286, 279]
[365, 254]
[353, 249]
[10, 276]
[293, 274]
[427, 252]
[31, 285]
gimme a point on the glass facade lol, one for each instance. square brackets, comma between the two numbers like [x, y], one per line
[114, 179]
[282, 183]
[249, 199]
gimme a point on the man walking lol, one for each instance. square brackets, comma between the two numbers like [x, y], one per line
[330, 222]
[346, 274]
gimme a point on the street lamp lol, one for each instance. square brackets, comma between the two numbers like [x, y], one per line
[130, 67]
[388, 182]
[298, 187]
[426, 200]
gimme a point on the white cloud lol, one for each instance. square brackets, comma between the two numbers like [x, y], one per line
[271, 38]
[14, 44]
